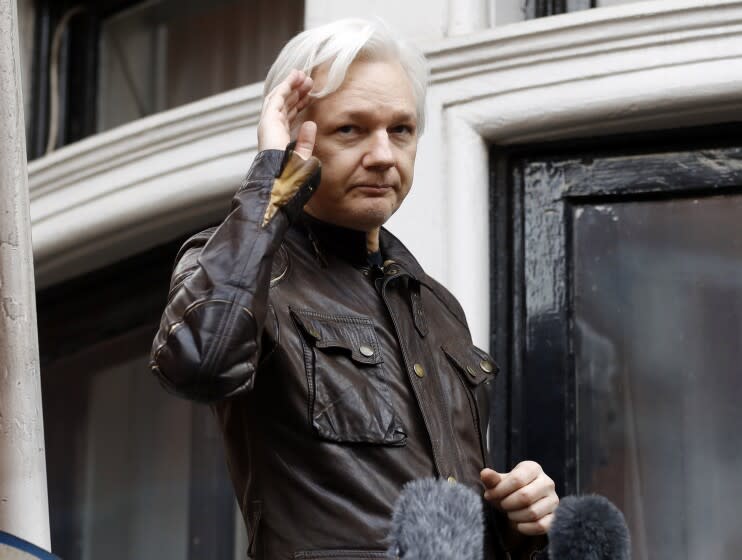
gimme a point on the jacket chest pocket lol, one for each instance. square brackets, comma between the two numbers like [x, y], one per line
[475, 369]
[348, 396]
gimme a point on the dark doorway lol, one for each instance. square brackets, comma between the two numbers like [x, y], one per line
[617, 276]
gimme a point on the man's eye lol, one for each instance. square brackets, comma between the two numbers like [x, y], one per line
[345, 129]
[403, 129]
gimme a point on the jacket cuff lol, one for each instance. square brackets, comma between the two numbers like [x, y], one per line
[294, 185]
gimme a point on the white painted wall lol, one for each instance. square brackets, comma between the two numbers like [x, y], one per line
[421, 21]
[503, 12]
[418, 20]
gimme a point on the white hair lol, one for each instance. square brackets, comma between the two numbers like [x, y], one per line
[342, 42]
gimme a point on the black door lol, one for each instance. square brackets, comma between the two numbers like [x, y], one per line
[617, 277]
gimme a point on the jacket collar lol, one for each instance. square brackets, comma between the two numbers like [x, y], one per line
[350, 245]
[393, 249]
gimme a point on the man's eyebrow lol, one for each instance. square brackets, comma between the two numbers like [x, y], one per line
[397, 116]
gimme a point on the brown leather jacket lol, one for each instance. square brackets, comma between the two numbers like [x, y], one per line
[334, 382]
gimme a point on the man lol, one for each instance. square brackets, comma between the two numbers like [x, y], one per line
[337, 368]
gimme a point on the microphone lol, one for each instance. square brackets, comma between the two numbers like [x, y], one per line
[588, 528]
[436, 519]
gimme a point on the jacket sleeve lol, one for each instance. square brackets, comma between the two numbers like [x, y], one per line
[208, 343]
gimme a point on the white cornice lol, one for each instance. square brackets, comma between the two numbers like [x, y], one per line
[553, 77]
[586, 33]
[639, 65]
[135, 186]
[127, 144]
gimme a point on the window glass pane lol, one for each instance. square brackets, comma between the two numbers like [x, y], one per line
[164, 53]
[658, 333]
[132, 470]
[130, 473]
[137, 473]
[577, 5]
[542, 8]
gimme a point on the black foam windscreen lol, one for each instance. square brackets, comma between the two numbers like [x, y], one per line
[588, 528]
[434, 519]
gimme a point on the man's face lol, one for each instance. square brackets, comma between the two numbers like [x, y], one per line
[366, 141]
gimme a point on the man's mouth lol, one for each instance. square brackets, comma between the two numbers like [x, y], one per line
[373, 187]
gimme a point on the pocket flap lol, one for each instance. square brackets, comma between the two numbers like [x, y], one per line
[476, 365]
[353, 334]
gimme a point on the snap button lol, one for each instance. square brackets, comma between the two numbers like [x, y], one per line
[470, 371]
[366, 350]
[451, 480]
[486, 366]
[419, 370]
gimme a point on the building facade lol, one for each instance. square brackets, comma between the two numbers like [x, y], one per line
[577, 188]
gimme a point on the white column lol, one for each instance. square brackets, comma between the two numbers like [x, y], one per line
[24, 509]
[466, 16]
[502, 12]
[467, 204]
[416, 20]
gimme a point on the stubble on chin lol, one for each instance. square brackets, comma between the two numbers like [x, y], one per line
[374, 215]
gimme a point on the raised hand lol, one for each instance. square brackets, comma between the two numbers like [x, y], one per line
[280, 109]
[525, 494]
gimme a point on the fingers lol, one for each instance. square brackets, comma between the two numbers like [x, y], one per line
[295, 81]
[540, 527]
[535, 511]
[526, 494]
[522, 475]
[290, 94]
[490, 478]
[280, 108]
[305, 86]
[305, 139]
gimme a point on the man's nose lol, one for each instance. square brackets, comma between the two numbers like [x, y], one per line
[379, 153]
